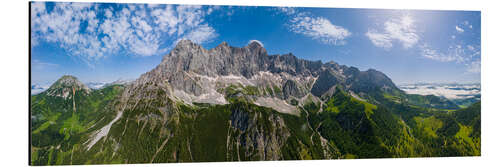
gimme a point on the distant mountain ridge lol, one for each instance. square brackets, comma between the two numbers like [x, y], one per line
[37, 88]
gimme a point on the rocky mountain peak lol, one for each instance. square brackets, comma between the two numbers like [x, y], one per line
[69, 81]
[185, 42]
[222, 47]
[224, 43]
[256, 47]
[255, 43]
[66, 85]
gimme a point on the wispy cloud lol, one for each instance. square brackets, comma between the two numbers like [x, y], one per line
[142, 30]
[318, 28]
[459, 51]
[40, 65]
[459, 30]
[474, 67]
[398, 29]
[287, 10]
[254, 40]
[404, 30]
[463, 27]
[467, 24]
[379, 40]
[469, 56]
[201, 34]
[431, 53]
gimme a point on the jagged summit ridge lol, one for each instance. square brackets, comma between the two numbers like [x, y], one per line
[221, 60]
[191, 73]
[224, 59]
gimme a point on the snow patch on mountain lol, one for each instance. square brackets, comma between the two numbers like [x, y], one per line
[277, 104]
[212, 97]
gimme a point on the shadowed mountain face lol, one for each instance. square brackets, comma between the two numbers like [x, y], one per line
[241, 104]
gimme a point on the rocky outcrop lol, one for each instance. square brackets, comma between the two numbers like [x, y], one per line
[369, 81]
[291, 89]
[259, 135]
[325, 81]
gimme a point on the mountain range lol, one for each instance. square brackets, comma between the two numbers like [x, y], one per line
[243, 104]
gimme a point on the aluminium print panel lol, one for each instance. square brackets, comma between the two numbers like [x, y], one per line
[116, 83]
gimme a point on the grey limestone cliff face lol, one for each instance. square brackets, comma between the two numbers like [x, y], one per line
[291, 89]
[325, 81]
[192, 73]
[252, 137]
[221, 60]
[292, 65]
[226, 60]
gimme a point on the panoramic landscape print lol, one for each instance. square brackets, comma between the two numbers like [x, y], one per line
[165, 83]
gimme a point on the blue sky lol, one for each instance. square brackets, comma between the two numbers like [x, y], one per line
[99, 42]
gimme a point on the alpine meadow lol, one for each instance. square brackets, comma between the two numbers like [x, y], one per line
[151, 83]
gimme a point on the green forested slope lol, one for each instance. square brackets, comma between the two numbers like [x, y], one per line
[162, 130]
[56, 129]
